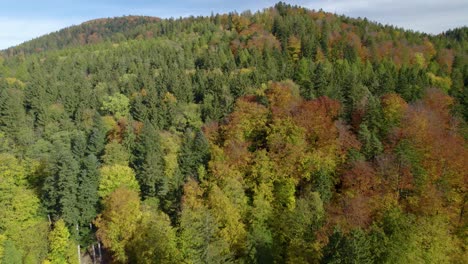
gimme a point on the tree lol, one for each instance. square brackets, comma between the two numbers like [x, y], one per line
[117, 104]
[324, 37]
[21, 224]
[61, 186]
[118, 221]
[11, 253]
[321, 81]
[303, 78]
[2, 240]
[371, 145]
[230, 233]
[115, 153]
[13, 118]
[114, 177]
[97, 137]
[194, 153]
[149, 162]
[393, 107]
[88, 195]
[197, 225]
[155, 239]
[260, 232]
[294, 48]
[60, 246]
[299, 229]
[354, 247]
[402, 238]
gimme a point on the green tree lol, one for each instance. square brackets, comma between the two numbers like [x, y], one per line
[149, 163]
[295, 235]
[2, 240]
[303, 78]
[354, 247]
[60, 188]
[261, 233]
[194, 153]
[117, 105]
[88, 196]
[13, 119]
[321, 81]
[114, 177]
[402, 238]
[11, 253]
[115, 153]
[370, 141]
[97, 136]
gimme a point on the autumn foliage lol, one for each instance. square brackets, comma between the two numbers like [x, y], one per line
[276, 152]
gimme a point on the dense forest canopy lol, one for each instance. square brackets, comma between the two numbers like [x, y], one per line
[283, 136]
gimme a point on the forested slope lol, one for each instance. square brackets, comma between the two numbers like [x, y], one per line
[88, 33]
[283, 136]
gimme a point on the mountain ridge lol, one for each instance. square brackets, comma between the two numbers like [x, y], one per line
[107, 29]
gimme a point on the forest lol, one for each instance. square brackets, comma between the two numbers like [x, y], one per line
[287, 135]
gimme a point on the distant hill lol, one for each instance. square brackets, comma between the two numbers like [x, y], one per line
[90, 32]
[119, 29]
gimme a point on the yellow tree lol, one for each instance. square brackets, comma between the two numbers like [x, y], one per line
[20, 222]
[294, 48]
[115, 176]
[118, 222]
[61, 249]
[196, 224]
[155, 240]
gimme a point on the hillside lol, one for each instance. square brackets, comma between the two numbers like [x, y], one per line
[283, 136]
[88, 33]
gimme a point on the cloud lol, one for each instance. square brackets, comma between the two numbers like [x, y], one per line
[430, 16]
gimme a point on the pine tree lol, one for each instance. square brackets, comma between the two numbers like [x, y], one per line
[324, 37]
[354, 247]
[97, 137]
[303, 78]
[321, 81]
[148, 162]
[88, 180]
[193, 154]
[78, 142]
[61, 186]
[370, 141]
[13, 116]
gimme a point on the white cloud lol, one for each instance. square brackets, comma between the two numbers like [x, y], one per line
[430, 16]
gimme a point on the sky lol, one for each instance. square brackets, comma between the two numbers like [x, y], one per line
[23, 20]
